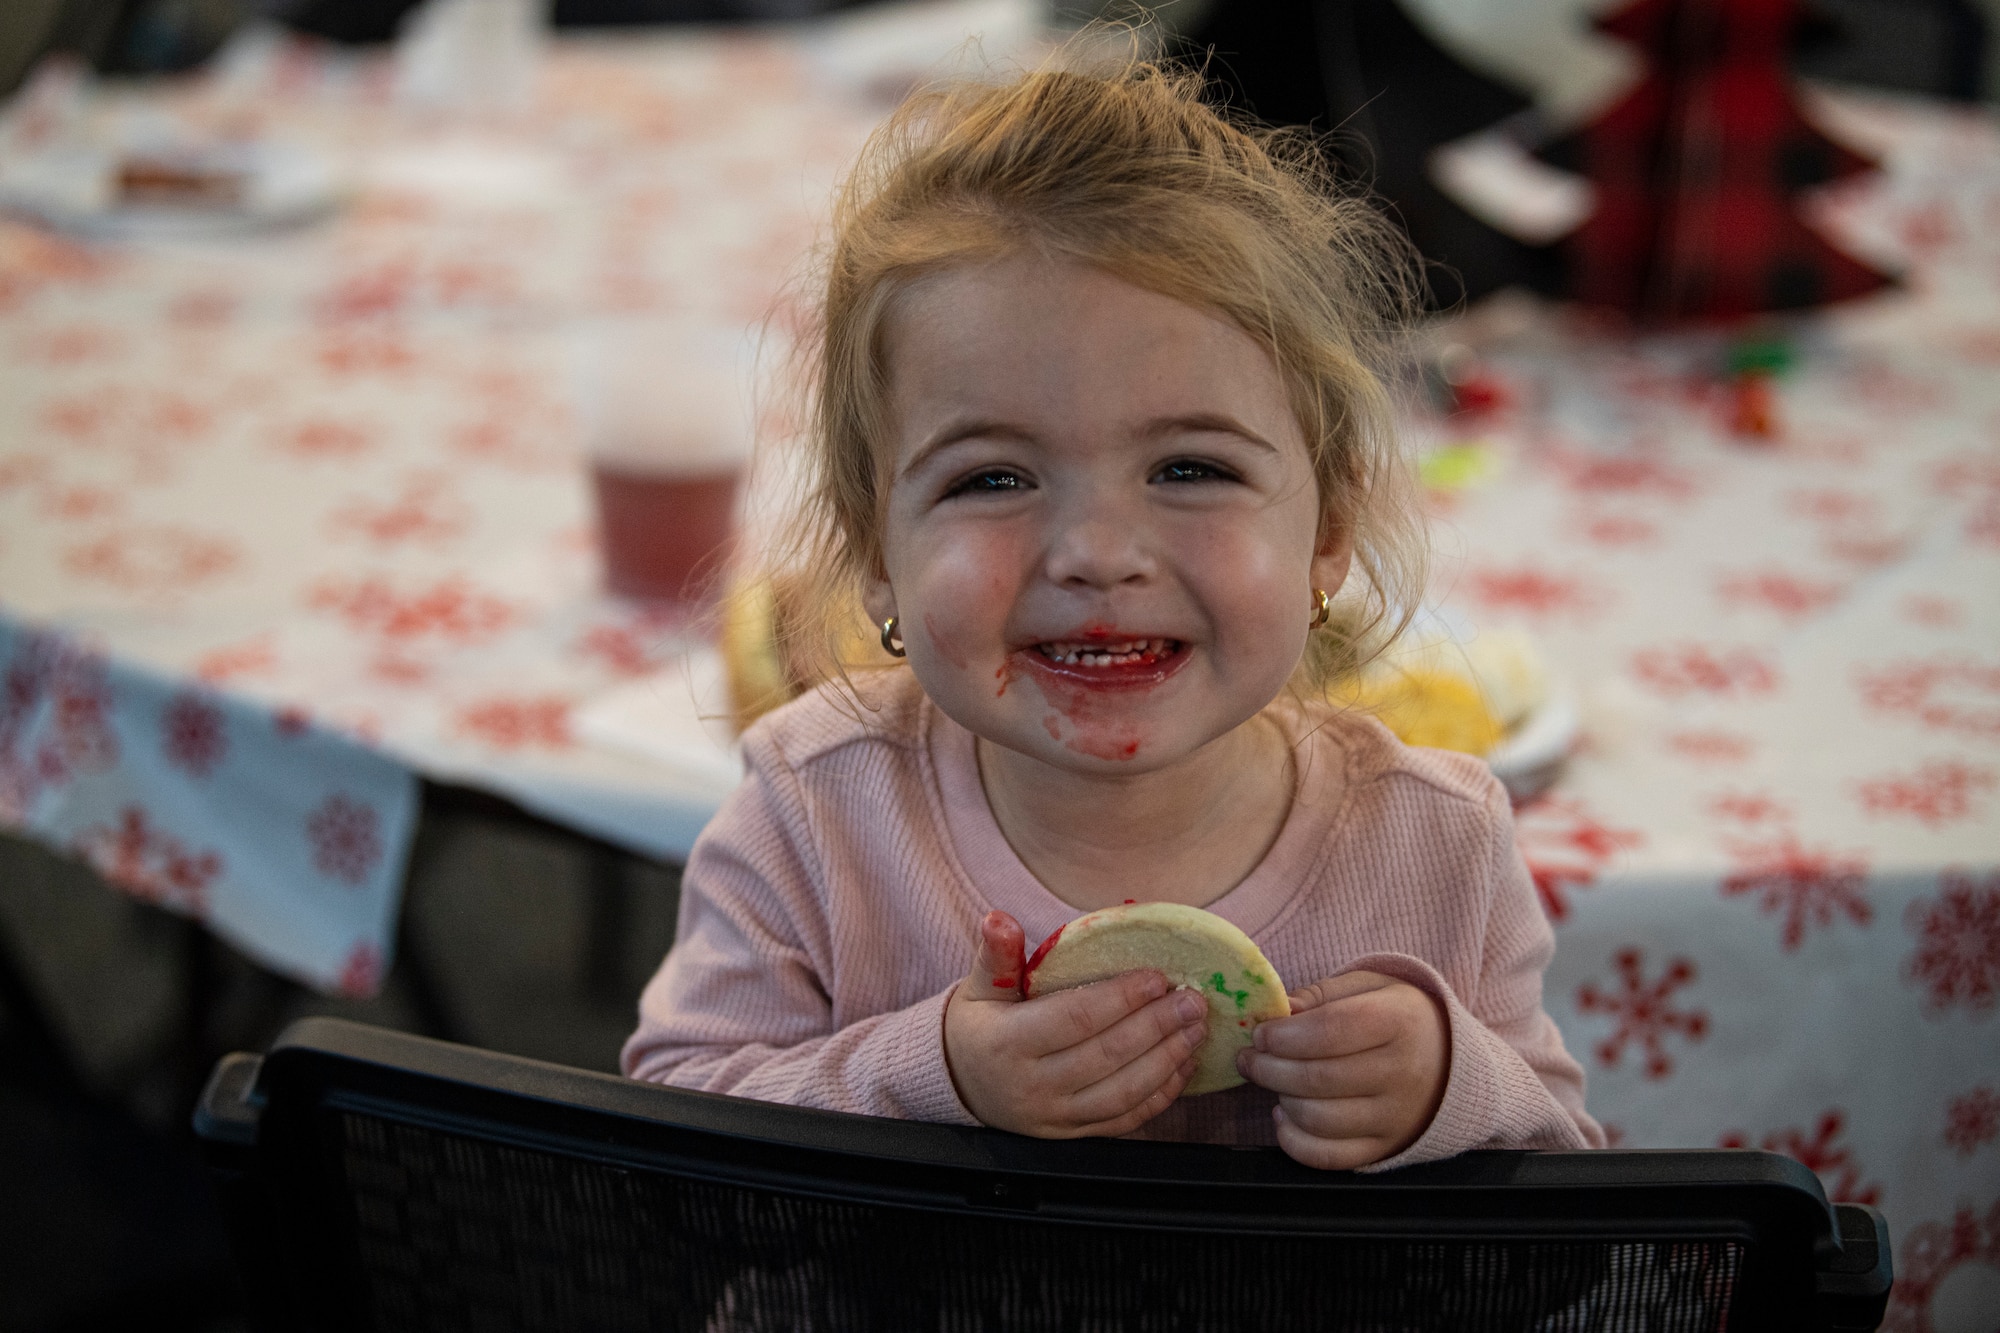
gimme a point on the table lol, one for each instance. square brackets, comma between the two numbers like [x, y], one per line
[1774, 866]
[288, 523]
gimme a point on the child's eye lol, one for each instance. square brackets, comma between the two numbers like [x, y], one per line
[989, 481]
[1192, 469]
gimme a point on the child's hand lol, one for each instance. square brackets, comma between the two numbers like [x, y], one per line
[1359, 1068]
[1100, 1059]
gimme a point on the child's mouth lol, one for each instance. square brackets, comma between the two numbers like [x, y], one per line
[1098, 655]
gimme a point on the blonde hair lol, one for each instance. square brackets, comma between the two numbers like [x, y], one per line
[1125, 168]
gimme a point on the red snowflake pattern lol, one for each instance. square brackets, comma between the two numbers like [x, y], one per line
[450, 610]
[425, 513]
[1957, 959]
[1869, 550]
[194, 734]
[70, 346]
[1693, 668]
[1932, 612]
[202, 308]
[1982, 525]
[361, 974]
[1967, 472]
[234, 661]
[1787, 595]
[153, 560]
[1598, 475]
[510, 442]
[78, 504]
[1749, 808]
[346, 838]
[55, 721]
[382, 288]
[1566, 846]
[393, 668]
[326, 438]
[1978, 476]
[637, 646]
[1834, 1163]
[365, 352]
[1972, 1121]
[516, 723]
[1940, 792]
[1535, 592]
[1643, 1011]
[23, 470]
[1933, 1251]
[1617, 529]
[1711, 747]
[31, 261]
[1831, 505]
[149, 863]
[1808, 886]
[1942, 694]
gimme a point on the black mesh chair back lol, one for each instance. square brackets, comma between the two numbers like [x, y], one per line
[381, 1181]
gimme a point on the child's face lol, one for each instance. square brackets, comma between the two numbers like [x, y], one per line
[1103, 527]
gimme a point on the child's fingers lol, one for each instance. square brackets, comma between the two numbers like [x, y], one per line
[1070, 1017]
[1177, 1020]
[1133, 1103]
[1348, 1025]
[1328, 989]
[999, 960]
[1327, 1152]
[1360, 1075]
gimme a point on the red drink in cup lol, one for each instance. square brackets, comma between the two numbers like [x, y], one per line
[664, 536]
[667, 413]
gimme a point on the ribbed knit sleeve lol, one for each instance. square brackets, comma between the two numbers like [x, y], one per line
[741, 1005]
[1511, 1083]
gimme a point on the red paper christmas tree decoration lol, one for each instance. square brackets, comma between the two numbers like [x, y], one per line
[1698, 172]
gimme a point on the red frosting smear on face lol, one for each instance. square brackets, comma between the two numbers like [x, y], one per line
[1112, 749]
[1006, 675]
[1006, 983]
[1041, 952]
[1054, 724]
[943, 643]
[1084, 708]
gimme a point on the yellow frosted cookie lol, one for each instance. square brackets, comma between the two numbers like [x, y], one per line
[1192, 948]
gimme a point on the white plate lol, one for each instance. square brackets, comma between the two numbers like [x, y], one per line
[1532, 757]
[74, 188]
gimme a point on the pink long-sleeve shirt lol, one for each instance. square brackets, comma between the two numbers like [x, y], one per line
[831, 906]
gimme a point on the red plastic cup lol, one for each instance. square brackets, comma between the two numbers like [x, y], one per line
[665, 537]
[667, 411]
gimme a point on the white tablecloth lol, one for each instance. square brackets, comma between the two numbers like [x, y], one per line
[286, 521]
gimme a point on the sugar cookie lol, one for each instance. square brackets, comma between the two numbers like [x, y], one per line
[1192, 948]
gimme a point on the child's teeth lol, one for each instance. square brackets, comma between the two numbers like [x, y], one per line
[1106, 655]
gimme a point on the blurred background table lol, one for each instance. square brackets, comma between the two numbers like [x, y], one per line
[293, 524]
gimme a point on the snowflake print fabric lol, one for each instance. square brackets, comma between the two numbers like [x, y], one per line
[288, 523]
[290, 846]
[1957, 959]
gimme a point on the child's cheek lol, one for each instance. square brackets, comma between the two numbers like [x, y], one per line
[967, 590]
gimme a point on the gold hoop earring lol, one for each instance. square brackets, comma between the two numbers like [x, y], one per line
[1322, 608]
[890, 643]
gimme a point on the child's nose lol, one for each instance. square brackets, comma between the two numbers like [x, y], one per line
[1099, 549]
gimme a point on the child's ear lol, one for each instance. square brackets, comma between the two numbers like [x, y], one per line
[1333, 559]
[879, 600]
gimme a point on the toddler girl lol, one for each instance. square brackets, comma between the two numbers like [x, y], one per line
[1098, 435]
